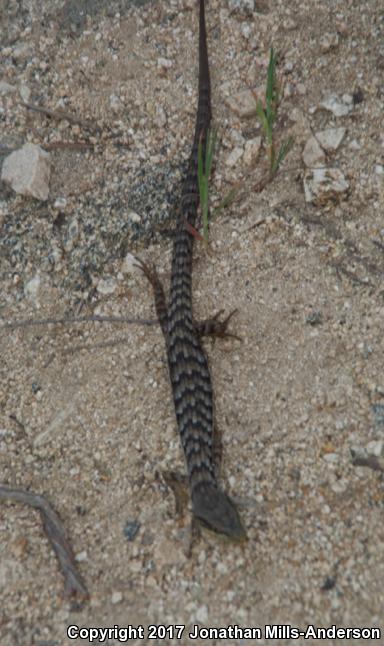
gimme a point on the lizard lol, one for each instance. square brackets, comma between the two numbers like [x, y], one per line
[188, 366]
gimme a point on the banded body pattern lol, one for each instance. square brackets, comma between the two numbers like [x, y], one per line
[188, 366]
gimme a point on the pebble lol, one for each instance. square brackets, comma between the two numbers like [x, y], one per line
[331, 138]
[32, 288]
[243, 104]
[252, 150]
[116, 597]
[338, 107]
[202, 615]
[234, 157]
[313, 155]
[133, 216]
[165, 63]
[322, 185]
[375, 448]
[6, 88]
[129, 264]
[331, 457]
[25, 92]
[244, 6]
[27, 171]
[106, 286]
[131, 529]
[328, 42]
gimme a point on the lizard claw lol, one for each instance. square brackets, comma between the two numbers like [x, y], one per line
[149, 271]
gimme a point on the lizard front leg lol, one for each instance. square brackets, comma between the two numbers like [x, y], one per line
[159, 294]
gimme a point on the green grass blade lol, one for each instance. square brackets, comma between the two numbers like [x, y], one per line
[262, 117]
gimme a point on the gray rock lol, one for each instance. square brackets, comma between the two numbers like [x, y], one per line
[6, 88]
[338, 107]
[243, 103]
[245, 6]
[331, 138]
[252, 149]
[313, 154]
[322, 185]
[27, 171]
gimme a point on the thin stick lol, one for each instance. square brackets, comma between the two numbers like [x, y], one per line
[67, 145]
[95, 346]
[60, 114]
[77, 319]
[53, 527]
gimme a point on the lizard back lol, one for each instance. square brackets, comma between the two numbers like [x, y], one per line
[188, 366]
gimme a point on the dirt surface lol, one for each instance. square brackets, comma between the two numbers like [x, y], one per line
[90, 424]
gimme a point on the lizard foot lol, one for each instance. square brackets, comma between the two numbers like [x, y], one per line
[216, 328]
[149, 271]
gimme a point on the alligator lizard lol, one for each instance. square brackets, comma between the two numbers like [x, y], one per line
[188, 366]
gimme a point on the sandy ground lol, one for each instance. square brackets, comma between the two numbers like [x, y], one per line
[89, 422]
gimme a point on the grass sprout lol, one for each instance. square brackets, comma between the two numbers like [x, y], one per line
[204, 167]
[267, 116]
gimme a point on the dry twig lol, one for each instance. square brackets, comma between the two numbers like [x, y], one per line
[53, 527]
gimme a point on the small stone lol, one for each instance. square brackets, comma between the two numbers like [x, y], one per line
[131, 528]
[245, 6]
[375, 448]
[328, 42]
[164, 63]
[339, 108]
[116, 597]
[339, 486]
[135, 566]
[114, 102]
[202, 615]
[160, 117]
[60, 203]
[31, 289]
[301, 89]
[234, 157]
[251, 151]
[106, 286]
[378, 412]
[322, 185]
[331, 457]
[331, 138]
[313, 155]
[134, 217]
[354, 145]
[314, 318]
[129, 264]
[348, 99]
[81, 556]
[22, 51]
[246, 30]
[6, 88]
[25, 92]
[27, 170]
[243, 103]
